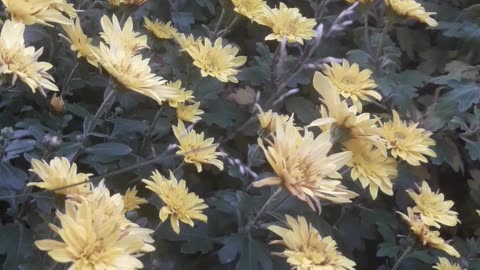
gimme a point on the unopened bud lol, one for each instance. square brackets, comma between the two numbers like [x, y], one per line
[56, 104]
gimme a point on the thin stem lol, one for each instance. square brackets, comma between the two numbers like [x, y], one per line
[101, 110]
[219, 23]
[264, 207]
[66, 87]
[381, 42]
[151, 128]
[229, 28]
[404, 255]
[366, 37]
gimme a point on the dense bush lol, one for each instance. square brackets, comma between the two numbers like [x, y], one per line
[240, 134]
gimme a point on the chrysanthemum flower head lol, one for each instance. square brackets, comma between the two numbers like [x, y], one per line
[41, 12]
[425, 236]
[445, 264]
[189, 113]
[287, 23]
[303, 167]
[21, 61]
[182, 95]
[306, 249]
[188, 42]
[79, 42]
[432, 207]
[131, 201]
[93, 239]
[179, 204]
[195, 148]
[161, 30]
[362, 2]
[268, 119]
[217, 61]
[60, 176]
[407, 141]
[251, 9]
[352, 83]
[128, 40]
[127, 2]
[371, 167]
[412, 9]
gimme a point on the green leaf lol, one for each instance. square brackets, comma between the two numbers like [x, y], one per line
[464, 94]
[197, 240]
[447, 151]
[473, 148]
[17, 147]
[223, 113]
[388, 249]
[253, 254]
[11, 177]
[302, 108]
[109, 149]
[17, 245]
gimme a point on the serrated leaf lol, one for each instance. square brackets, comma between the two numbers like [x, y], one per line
[109, 149]
[464, 94]
[11, 177]
[252, 254]
[302, 108]
[447, 151]
[388, 249]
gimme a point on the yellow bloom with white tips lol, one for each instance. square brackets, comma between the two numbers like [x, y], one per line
[79, 42]
[179, 204]
[128, 40]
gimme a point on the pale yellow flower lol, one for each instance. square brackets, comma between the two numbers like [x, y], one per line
[444, 264]
[303, 167]
[182, 95]
[195, 149]
[371, 167]
[161, 30]
[127, 39]
[127, 2]
[432, 207]
[39, 11]
[362, 2]
[60, 177]
[131, 201]
[345, 118]
[407, 141]
[251, 9]
[352, 83]
[93, 239]
[217, 61]
[268, 119]
[21, 61]
[179, 204]
[287, 23]
[189, 113]
[306, 249]
[188, 42]
[79, 42]
[425, 236]
[412, 9]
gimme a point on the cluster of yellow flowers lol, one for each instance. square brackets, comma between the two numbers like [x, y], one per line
[408, 8]
[94, 232]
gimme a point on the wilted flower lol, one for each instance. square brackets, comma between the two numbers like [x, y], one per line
[195, 149]
[40, 11]
[302, 165]
[412, 9]
[371, 167]
[425, 236]
[251, 9]
[444, 264]
[79, 42]
[352, 83]
[161, 30]
[57, 105]
[21, 61]
[189, 113]
[131, 201]
[180, 205]
[407, 141]
[432, 207]
[125, 38]
[60, 176]
[287, 23]
[306, 249]
[216, 61]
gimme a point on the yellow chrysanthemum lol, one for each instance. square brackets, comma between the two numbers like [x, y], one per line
[217, 61]
[425, 236]
[180, 205]
[79, 42]
[131, 201]
[412, 9]
[128, 40]
[188, 42]
[40, 11]
[352, 83]
[345, 118]
[189, 113]
[94, 239]
[362, 2]
[251, 9]
[182, 96]
[287, 23]
[306, 249]
[371, 167]
[161, 30]
[59, 174]
[268, 119]
[432, 207]
[302, 166]
[444, 264]
[127, 2]
[195, 149]
[21, 61]
[407, 141]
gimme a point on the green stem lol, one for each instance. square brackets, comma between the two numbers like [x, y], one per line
[66, 88]
[230, 26]
[264, 207]
[101, 110]
[380, 43]
[151, 128]
[404, 255]
[367, 37]
[219, 23]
